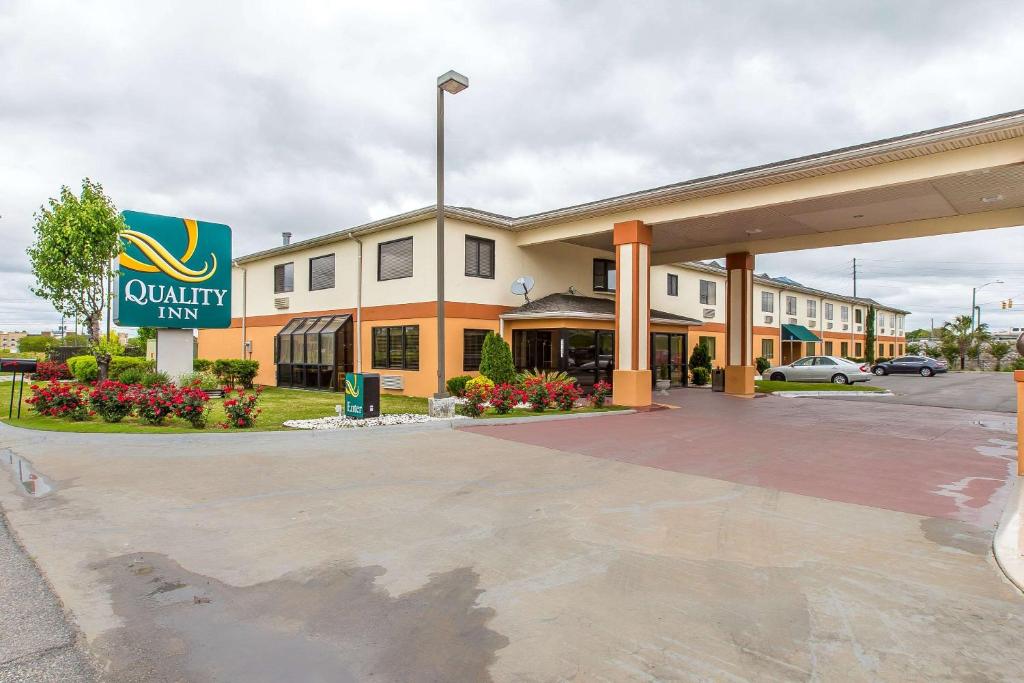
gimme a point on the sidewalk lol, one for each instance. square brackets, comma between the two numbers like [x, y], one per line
[1008, 544]
[36, 642]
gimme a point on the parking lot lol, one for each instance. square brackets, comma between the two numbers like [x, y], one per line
[991, 391]
[724, 539]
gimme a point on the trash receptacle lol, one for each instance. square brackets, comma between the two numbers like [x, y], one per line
[718, 379]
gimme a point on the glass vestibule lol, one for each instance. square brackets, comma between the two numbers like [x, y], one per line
[314, 352]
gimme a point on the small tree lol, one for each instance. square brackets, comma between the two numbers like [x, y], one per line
[999, 350]
[36, 343]
[701, 357]
[960, 332]
[869, 336]
[77, 239]
[950, 351]
[496, 360]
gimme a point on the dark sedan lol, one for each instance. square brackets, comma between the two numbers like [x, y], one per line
[910, 365]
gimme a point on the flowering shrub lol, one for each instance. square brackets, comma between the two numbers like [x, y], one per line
[155, 404]
[538, 394]
[240, 407]
[191, 404]
[602, 391]
[480, 382]
[112, 401]
[59, 400]
[476, 396]
[505, 397]
[48, 371]
[564, 394]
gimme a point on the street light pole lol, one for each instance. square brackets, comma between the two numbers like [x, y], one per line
[975, 313]
[451, 82]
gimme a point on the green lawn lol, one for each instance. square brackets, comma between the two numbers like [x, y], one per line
[278, 405]
[767, 386]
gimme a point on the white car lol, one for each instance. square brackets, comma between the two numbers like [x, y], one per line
[820, 369]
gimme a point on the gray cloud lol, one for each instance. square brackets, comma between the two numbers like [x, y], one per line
[314, 116]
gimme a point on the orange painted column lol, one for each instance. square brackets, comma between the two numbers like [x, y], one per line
[739, 331]
[1018, 376]
[631, 379]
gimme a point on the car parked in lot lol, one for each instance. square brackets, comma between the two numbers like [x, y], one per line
[819, 369]
[910, 365]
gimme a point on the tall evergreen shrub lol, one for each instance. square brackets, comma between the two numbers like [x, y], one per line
[496, 360]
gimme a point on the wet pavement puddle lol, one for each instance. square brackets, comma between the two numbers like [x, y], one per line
[31, 482]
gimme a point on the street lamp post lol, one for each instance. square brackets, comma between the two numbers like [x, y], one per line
[451, 82]
[975, 313]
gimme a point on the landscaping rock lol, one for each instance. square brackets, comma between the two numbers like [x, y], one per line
[339, 422]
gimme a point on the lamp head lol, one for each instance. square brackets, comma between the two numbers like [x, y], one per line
[452, 82]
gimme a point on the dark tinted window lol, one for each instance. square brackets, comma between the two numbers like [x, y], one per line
[394, 259]
[472, 348]
[321, 272]
[284, 278]
[604, 275]
[479, 257]
[396, 348]
[673, 284]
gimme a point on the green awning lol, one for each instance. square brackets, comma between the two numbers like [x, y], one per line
[798, 333]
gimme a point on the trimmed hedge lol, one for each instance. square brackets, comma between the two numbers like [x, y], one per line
[118, 364]
[83, 368]
[233, 371]
[457, 385]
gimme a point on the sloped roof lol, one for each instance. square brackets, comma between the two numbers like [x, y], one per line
[561, 305]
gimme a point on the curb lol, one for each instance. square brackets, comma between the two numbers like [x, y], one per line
[1006, 543]
[491, 421]
[830, 394]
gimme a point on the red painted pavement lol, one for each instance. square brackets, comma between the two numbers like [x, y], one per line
[935, 462]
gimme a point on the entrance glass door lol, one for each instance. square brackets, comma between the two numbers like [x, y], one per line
[668, 357]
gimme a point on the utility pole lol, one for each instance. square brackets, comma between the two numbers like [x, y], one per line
[855, 276]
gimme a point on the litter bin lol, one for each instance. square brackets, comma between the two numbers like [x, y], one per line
[718, 379]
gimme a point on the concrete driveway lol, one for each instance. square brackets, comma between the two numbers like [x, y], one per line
[765, 539]
[991, 391]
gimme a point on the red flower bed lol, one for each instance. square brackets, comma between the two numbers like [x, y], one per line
[155, 404]
[505, 397]
[191, 404]
[48, 371]
[602, 392]
[113, 401]
[240, 407]
[59, 400]
[564, 394]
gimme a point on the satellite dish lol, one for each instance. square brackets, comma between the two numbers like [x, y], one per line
[522, 286]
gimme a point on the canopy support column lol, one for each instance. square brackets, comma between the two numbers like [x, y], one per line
[631, 380]
[739, 331]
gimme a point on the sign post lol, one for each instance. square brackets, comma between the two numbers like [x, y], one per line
[174, 275]
[362, 395]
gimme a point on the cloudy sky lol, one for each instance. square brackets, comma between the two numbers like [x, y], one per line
[310, 117]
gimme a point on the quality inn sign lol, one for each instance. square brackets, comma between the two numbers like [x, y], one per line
[174, 272]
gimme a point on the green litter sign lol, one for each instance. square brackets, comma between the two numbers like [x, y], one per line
[173, 273]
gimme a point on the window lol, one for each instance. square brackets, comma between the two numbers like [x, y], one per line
[284, 278]
[767, 303]
[844, 314]
[881, 349]
[472, 348]
[828, 348]
[604, 275]
[812, 308]
[858, 316]
[901, 348]
[396, 348]
[673, 284]
[829, 312]
[809, 348]
[844, 349]
[707, 293]
[768, 348]
[321, 272]
[479, 257]
[804, 362]
[394, 259]
[857, 351]
[790, 305]
[892, 350]
[710, 341]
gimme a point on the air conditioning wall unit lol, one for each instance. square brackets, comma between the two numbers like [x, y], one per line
[392, 382]
[709, 313]
[830, 326]
[811, 323]
[792, 321]
[845, 326]
[282, 302]
[768, 320]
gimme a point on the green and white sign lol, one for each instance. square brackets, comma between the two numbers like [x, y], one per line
[174, 273]
[362, 395]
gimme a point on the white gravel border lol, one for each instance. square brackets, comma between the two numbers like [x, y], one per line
[335, 422]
